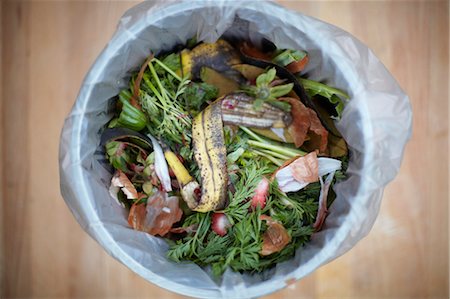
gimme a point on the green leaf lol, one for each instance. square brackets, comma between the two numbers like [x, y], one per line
[264, 93]
[250, 90]
[113, 123]
[234, 156]
[281, 90]
[148, 188]
[322, 89]
[334, 95]
[288, 56]
[125, 95]
[245, 188]
[265, 78]
[131, 117]
[161, 93]
[180, 251]
[150, 159]
[186, 152]
[172, 61]
[339, 104]
[258, 104]
[285, 106]
[118, 156]
[197, 94]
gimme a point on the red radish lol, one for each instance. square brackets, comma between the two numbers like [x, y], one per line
[220, 223]
[261, 192]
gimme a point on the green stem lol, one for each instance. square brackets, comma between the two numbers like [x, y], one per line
[167, 69]
[252, 134]
[271, 158]
[275, 154]
[321, 88]
[155, 91]
[174, 110]
[158, 82]
[282, 150]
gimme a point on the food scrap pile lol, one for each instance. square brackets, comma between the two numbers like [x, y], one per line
[228, 152]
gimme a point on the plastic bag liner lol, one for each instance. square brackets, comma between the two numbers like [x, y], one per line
[376, 124]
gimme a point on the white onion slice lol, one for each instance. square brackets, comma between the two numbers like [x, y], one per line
[161, 168]
[287, 182]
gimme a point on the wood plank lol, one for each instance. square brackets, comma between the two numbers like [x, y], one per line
[16, 234]
[2, 215]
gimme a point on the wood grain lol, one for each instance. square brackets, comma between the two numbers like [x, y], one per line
[47, 48]
[2, 255]
[16, 211]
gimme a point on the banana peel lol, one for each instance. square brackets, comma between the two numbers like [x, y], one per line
[250, 72]
[224, 84]
[210, 155]
[219, 56]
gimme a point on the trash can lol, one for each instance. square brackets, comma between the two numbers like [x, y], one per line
[376, 124]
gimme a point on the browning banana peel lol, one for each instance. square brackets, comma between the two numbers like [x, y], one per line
[210, 155]
[219, 56]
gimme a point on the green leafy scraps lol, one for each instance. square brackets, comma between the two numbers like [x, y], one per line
[334, 95]
[189, 247]
[197, 94]
[237, 209]
[264, 91]
[118, 154]
[239, 248]
[159, 96]
[285, 57]
[294, 209]
[130, 117]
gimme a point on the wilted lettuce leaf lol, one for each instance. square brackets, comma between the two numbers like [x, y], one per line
[334, 95]
[118, 156]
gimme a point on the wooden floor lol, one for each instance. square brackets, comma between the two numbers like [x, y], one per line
[47, 48]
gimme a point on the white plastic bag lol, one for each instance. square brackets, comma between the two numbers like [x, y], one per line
[376, 124]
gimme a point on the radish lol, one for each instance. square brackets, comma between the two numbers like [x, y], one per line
[261, 192]
[220, 223]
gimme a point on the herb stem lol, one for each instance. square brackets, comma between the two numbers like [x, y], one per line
[277, 155]
[166, 103]
[158, 82]
[321, 88]
[275, 161]
[167, 69]
[252, 134]
[279, 149]
[155, 91]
